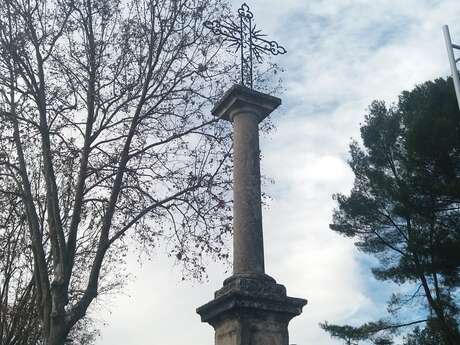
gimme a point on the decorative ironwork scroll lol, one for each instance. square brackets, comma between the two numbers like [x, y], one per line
[245, 37]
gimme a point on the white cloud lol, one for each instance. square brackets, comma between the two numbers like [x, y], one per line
[342, 55]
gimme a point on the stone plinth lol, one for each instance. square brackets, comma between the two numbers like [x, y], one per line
[251, 311]
[250, 308]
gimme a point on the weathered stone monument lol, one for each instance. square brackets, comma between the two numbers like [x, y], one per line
[250, 308]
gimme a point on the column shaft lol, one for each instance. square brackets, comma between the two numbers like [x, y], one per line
[248, 250]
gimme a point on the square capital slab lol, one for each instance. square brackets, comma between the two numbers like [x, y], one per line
[240, 99]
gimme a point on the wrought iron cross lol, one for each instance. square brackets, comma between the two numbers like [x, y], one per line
[245, 37]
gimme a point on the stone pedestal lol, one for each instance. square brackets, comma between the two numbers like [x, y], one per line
[251, 311]
[250, 308]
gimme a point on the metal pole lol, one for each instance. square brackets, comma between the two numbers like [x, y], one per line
[453, 65]
[242, 50]
[250, 50]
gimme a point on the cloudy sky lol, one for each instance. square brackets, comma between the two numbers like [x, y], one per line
[342, 54]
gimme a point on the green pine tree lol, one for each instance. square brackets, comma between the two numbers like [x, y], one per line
[404, 206]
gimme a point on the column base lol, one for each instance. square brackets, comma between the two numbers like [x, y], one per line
[251, 310]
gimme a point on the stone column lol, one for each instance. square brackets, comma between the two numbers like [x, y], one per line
[251, 308]
[248, 247]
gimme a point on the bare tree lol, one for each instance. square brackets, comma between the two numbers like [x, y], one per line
[19, 318]
[19, 323]
[107, 136]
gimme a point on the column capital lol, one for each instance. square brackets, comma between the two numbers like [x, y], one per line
[240, 99]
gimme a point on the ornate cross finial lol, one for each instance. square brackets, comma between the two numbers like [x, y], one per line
[245, 37]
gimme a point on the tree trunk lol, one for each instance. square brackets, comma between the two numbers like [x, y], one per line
[58, 332]
[449, 334]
